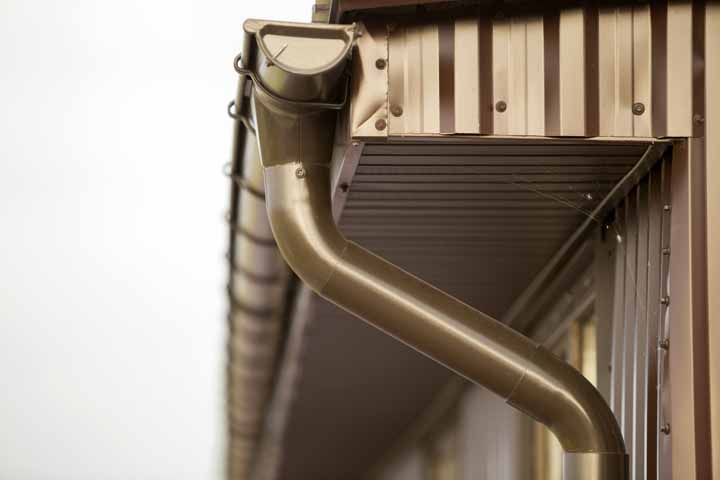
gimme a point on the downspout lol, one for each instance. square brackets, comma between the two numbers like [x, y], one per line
[295, 119]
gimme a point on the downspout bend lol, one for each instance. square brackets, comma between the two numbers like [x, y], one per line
[295, 149]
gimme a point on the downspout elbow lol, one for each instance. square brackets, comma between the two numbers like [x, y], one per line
[296, 140]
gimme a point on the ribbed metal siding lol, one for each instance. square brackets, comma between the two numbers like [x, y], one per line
[622, 72]
[641, 229]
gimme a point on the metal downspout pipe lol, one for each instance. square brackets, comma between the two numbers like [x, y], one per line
[295, 135]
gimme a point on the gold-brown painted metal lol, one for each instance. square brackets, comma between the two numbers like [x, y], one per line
[471, 343]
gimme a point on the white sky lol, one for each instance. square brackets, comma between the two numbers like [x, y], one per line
[113, 133]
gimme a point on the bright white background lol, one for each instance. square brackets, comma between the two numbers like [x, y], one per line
[113, 133]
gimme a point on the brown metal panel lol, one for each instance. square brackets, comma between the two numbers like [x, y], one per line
[501, 74]
[467, 66]
[630, 238]
[642, 71]
[517, 78]
[446, 83]
[572, 73]
[691, 454]
[652, 338]
[535, 77]
[679, 69]
[712, 152]
[637, 380]
[664, 442]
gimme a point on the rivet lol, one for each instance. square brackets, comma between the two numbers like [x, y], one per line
[380, 64]
[381, 124]
[666, 251]
[344, 187]
[300, 172]
[667, 208]
[501, 106]
[697, 118]
[638, 108]
[665, 300]
[355, 144]
[664, 344]
[396, 110]
[665, 429]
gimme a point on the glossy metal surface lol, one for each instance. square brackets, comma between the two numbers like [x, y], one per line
[297, 186]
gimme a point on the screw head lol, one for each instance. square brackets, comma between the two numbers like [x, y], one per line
[300, 172]
[665, 429]
[666, 251]
[664, 344]
[667, 208]
[638, 108]
[396, 110]
[344, 187]
[381, 124]
[698, 119]
[501, 106]
[380, 64]
[665, 300]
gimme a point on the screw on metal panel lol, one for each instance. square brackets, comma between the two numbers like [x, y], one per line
[667, 208]
[355, 144]
[638, 108]
[381, 124]
[501, 106]
[666, 251]
[665, 300]
[665, 429]
[664, 344]
[697, 118]
[300, 172]
[396, 110]
[344, 187]
[380, 63]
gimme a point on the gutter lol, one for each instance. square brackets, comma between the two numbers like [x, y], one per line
[298, 86]
[258, 281]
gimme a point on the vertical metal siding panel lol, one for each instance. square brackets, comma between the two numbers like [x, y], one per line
[535, 77]
[712, 152]
[485, 77]
[630, 239]
[618, 324]
[517, 98]
[501, 46]
[642, 68]
[658, 14]
[664, 400]
[467, 73]
[551, 68]
[412, 82]
[396, 79]
[691, 456]
[679, 69]
[655, 256]
[431, 79]
[639, 367]
[624, 73]
[607, 20]
[572, 72]
[446, 62]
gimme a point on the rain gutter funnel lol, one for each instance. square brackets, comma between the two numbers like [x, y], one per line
[298, 85]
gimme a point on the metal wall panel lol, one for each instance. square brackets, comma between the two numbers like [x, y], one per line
[712, 152]
[642, 246]
[495, 439]
[628, 71]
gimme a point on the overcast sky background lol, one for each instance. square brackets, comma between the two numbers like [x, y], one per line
[113, 134]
